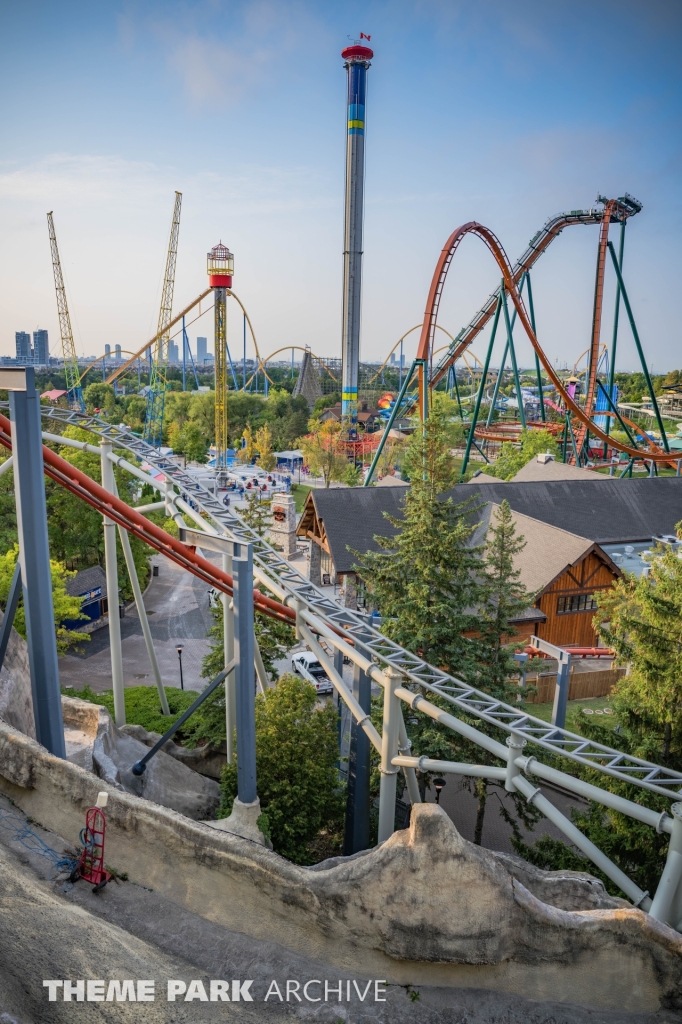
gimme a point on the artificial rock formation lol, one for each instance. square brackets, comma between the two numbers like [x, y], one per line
[16, 702]
[425, 908]
[96, 744]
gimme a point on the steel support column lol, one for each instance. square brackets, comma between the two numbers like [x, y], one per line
[34, 559]
[111, 568]
[357, 804]
[245, 683]
[616, 316]
[228, 658]
[538, 371]
[640, 352]
[512, 352]
[479, 396]
[389, 749]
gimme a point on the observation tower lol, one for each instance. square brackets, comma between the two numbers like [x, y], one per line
[357, 61]
[220, 268]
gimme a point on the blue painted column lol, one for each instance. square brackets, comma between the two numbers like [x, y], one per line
[34, 559]
[245, 681]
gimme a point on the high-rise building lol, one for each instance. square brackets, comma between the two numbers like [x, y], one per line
[117, 353]
[107, 350]
[201, 351]
[173, 352]
[41, 348]
[23, 342]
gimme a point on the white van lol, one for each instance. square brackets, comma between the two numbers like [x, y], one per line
[305, 663]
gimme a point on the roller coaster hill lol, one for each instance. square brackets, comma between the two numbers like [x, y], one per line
[582, 411]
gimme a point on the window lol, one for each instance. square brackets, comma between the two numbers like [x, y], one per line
[576, 603]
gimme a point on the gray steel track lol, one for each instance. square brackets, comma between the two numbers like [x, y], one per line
[385, 652]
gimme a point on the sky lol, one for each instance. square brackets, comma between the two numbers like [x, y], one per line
[489, 111]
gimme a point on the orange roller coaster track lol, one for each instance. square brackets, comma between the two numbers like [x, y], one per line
[613, 209]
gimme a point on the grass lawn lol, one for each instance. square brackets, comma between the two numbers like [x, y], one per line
[300, 493]
[142, 704]
[575, 715]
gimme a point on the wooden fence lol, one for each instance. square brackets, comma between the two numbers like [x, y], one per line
[581, 685]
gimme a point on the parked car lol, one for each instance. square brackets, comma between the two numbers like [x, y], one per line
[305, 663]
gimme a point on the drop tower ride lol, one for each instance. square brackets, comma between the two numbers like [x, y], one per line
[357, 61]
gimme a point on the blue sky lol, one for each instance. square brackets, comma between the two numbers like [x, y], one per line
[501, 113]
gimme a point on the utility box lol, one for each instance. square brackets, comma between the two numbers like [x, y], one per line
[284, 521]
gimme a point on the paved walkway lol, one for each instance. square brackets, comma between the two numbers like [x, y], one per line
[178, 610]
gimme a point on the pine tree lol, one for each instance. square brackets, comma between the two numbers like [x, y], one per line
[504, 599]
[425, 579]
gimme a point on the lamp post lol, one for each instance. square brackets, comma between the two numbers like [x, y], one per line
[179, 648]
[438, 783]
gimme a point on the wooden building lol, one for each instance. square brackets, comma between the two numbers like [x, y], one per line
[562, 569]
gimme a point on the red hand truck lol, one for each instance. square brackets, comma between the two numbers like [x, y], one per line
[90, 865]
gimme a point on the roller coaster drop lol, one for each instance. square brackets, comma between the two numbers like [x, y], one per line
[513, 280]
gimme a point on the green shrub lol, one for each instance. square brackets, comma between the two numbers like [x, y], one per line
[296, 757]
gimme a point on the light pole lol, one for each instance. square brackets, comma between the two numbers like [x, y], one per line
[179, 650]
[438, 783]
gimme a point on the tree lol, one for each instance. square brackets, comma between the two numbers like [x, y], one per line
[322, 451]
[188, 441]
[425, 579]
[511, 459]
[99, 396]
[296, 767]
[257, 514]
[247, 452]
[353, 474]
[641, 618]
[432, 586]
[66, 608]
[263, 443]
[503, 598]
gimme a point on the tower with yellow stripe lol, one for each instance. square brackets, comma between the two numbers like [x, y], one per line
[357, 61]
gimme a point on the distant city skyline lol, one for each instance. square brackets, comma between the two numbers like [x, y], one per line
[475, 112]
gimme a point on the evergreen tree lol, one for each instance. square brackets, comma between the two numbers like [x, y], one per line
[425, 580]
[641, 618]
[504, 599]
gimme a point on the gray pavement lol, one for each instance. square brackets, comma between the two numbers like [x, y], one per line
[178, 610]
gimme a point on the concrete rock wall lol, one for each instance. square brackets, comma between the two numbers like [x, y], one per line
[16, 702]
[424, 908]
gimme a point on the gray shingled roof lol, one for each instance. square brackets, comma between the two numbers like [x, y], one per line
[608, 511]
[353, 516]
[87, 580]
[552, 470]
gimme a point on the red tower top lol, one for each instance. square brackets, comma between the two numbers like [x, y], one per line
[220, 266]
[357, 52]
